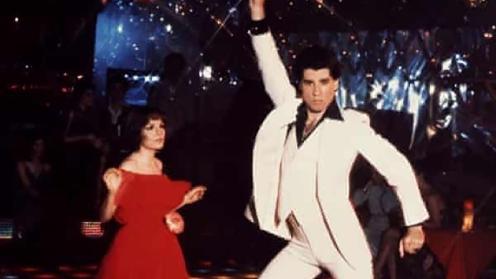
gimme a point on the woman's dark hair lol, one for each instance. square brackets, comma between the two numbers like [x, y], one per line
[316, 57]
[138, 118]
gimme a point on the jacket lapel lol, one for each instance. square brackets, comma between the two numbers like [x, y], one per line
[267, 154]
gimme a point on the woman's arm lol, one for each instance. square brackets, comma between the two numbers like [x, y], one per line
[192, 196]
[113, 179]
[108, 208]
[173, 219]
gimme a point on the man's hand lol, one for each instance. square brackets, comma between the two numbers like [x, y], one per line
[412, 241]
[257, 9]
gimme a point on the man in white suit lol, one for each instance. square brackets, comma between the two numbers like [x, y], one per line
[302, 158]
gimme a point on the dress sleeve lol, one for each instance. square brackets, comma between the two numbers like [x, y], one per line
[183, 186]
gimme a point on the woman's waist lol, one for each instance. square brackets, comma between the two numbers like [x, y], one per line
[145, 229]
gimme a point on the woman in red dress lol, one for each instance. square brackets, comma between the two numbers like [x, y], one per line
[144, 202]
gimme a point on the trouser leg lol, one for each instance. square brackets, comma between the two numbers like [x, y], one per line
[340, 269]
[294, 261]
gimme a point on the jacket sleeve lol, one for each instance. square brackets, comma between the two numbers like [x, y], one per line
[274, 74]
[390, 163]
[250, 212]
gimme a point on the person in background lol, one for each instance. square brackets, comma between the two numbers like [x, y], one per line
[33, 172]
[84, 148]
[433, 200]
[173, 95]
[113, 120]
[383, 226]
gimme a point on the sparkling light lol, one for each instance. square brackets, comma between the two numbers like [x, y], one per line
[394, 84]
[396, 67]
[206, 72]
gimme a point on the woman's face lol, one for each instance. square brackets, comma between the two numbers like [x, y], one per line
[153, 135]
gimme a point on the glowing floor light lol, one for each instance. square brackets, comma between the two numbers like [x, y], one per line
[6, 229]
[91, 229]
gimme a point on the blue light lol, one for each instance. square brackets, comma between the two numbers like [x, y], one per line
[125, 40]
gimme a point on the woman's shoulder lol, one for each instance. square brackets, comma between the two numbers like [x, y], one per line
[128, 165]
[132, 166]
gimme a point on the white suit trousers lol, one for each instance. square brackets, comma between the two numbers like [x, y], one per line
[297, 261]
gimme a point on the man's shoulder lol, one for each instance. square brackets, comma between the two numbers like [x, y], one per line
[282, 115]
[354, 116]
[290, 106]
[354, 122]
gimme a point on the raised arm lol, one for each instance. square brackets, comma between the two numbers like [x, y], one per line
[173, 219]
[274, 74]
[192, 196]
[113, 180]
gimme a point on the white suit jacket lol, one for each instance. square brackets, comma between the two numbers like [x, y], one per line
[340, 143]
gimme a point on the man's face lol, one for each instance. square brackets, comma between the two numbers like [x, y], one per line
[318, 89]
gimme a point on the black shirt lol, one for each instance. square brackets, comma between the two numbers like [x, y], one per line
[332, 112]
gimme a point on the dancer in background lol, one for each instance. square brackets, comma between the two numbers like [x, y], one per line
[34, 174]
[383, 226]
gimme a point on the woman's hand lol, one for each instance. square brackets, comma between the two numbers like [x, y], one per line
[174, 222]
[113, 179]
[194, 195]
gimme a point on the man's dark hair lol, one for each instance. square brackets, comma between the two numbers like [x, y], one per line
[315, 58]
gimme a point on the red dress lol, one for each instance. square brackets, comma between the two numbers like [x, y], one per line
[144, 247]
